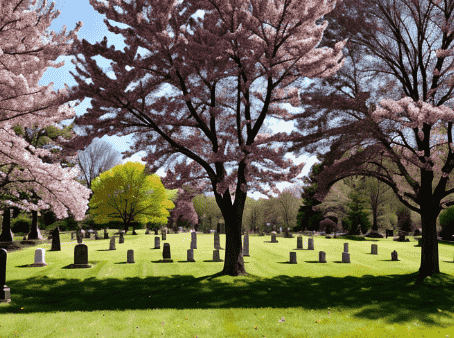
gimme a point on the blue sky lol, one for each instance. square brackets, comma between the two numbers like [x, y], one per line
[93, 31]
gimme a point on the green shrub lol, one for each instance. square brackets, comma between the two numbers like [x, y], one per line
[447, 223]
[21, 223]
[328, 226]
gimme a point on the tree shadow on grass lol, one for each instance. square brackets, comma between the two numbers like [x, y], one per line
[393, 298]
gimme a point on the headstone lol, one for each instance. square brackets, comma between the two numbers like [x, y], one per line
[147, 232]
[246, 244]
[374, 249]
[5, 295]
[81, 256]
[130, 256]
[292, 257]
[321, 257]
[216, 257]
[345, 257]
[299, 242]
[193, 240]
[106, 234]
[273, 237]
[39, 257]
[389, 233]
[164, 235]
[87, 234]
[166, 251]
[310, 243]
[157, 243]
[96, 235]
[112, 243]
[191, 255]
[217, 244]
[345, 247]
[394, 256]
[122, 237]
[56, 240]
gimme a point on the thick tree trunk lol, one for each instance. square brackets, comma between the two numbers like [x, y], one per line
[233, 263]
[34, 231]
[7, 235]
[429, 248]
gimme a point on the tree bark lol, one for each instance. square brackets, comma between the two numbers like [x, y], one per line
[233, 263]
[429, 246]
[34, 231]
[7, 235]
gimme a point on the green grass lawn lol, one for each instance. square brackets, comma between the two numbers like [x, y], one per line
[370, 297]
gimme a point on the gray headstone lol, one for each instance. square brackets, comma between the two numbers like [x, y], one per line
[122, 237]
[112, 243]
[193, 240]
[345, 247]
[157, 242]
[321, 257]
[216, 257]
[273, 237]
[374, 249]
[394, 256]
[5, 295]
[292, 257]
[106, 234]
[191, 255]
[81, 256]
[79, 235]
[217, 244]
[299, 242]
[130, 256]
[246, 244]
[310, 243]
[40, 257]
[345, 257]
[166, 251]
[164, 235]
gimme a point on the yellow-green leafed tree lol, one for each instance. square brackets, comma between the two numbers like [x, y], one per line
[127, 194]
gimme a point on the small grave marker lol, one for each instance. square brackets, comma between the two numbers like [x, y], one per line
[122, 237]
[273, 237]
[130, 257]
[292, 257]
[299, 242]
[81, 256]
[191, 255]
[374, 249]
[157, 242]
[112, 243]
[321, 257]
[106, 234]
[164, 234]
[345, 257]
[56, 240]
[246, 244]
[394, 256]
[310, 243]
[166, 251]
[39, 257]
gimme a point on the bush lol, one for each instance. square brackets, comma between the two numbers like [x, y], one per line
[66, 224]
[447, 223]
[21, 223]
[328, 226]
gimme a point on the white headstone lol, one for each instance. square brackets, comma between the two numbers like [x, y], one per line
[40, 257]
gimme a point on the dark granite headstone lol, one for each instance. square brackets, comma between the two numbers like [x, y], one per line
[122, 237]
[56, 240]
[106, 234]
[164, 235]
[5, 295]
[166, 251]
[81, 256]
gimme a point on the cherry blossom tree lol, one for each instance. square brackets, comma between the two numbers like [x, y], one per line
[405, 139]
[24, 57]
[211, 63]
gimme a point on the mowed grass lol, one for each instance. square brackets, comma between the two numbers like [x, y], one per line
[370, 297]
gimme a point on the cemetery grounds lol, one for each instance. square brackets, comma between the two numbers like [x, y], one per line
[370, 297]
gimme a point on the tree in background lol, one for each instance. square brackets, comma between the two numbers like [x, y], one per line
[183, 212]
[357, 221]
[286, 205]
[205, 122]
[404, 218]
[447, 224]
[23, 60]
[126, 193]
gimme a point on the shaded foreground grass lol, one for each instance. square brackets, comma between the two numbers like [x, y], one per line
[371, 297]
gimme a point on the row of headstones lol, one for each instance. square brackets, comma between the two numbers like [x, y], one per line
[217, 245]
[81, 256]
[345, 255]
